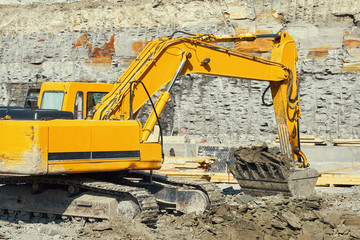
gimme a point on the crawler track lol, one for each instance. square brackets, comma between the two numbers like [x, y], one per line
[111, 186]
[210, 189]
[147, 203]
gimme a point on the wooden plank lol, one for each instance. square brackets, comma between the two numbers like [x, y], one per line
[348, 141]
[347, 144]
[189, 159]
[338, 179]
[308, 141]
[338, 169]
[188, 163]
[302, 136]
[222, 178]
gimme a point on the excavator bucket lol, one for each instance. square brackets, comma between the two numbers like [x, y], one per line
[261, 171]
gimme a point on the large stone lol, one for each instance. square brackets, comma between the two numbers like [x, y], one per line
[352, 221]
[355, 233]
[243, 199]
[292, 220]
[49, 230]
[314, 230]
[333, 220]
[276, 223]
[217, 220]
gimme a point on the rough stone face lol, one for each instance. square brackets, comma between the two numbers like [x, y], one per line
[292, 220]
[87, 41]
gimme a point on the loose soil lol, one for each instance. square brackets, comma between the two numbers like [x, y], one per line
[261, 154]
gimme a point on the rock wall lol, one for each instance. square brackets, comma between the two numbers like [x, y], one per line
[67, 40]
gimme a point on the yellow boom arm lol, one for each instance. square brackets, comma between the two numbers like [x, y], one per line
[162, 61]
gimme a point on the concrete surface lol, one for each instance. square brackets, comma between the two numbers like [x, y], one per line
[325, 158]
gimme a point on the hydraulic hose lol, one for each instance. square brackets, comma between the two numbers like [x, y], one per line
[263, 98]
[153, 106]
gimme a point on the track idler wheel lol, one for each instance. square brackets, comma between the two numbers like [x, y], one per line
[37, 187]
[51, 216]
[127, 208]
[24, 215]
[37, 215]
[73, 190]
[189, 201]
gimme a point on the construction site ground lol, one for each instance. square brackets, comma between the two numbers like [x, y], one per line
[331, 213]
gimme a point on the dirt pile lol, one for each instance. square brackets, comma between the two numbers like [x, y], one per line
[324, 216]
[261, 154]
[272, 218]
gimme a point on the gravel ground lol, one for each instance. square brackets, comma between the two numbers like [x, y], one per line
[331, 213]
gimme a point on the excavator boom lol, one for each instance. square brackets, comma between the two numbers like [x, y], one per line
[162, 61]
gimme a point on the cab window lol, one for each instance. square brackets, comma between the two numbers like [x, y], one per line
[78, 107]
[92, 99]
[52, 100]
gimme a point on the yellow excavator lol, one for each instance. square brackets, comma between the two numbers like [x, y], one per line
[100, 164]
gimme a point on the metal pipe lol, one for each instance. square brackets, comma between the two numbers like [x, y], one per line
[267, 35]
[182, 63]
[131, 114]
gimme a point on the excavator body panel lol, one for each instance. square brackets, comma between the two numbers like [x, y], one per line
[74, 146]
[23, 147]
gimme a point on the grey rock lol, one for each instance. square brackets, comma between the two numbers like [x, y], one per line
[276, 223]
[333, 220]
[314, 205]
[355, 233]
[343, 230]
[309, 216]
[313, 230]
[217, 220]
[292, 220]
[243, 199]
[243, 208]
[49, 230]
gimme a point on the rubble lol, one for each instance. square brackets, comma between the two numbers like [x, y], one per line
[336, 216]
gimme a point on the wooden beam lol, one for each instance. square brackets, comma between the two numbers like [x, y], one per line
[347, 141]
[338, 179]
[338, 169]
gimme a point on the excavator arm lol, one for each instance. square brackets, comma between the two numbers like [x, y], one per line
[162, 61]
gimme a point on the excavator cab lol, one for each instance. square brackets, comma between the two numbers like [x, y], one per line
[76, 97]
[69, 100]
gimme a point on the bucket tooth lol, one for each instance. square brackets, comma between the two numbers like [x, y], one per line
[260, 171]
[281, 173]
[269, 170]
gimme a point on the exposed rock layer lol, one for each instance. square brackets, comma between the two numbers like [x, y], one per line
[96, 40]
